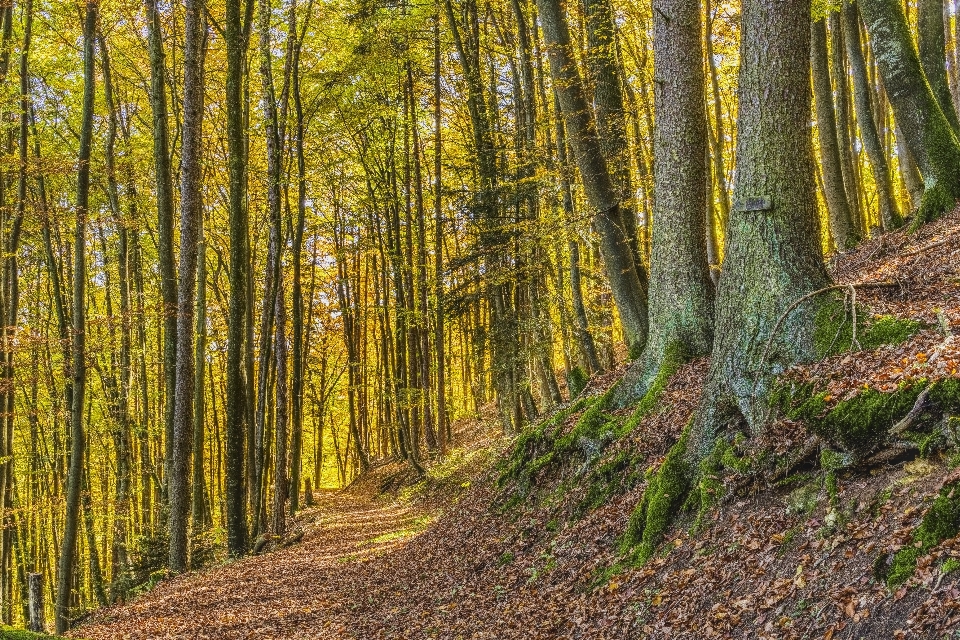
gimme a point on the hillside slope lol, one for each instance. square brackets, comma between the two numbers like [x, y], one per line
[522, 538]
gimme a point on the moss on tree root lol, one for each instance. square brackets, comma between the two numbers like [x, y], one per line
[861, 423]
[833, 332]
[667, 489]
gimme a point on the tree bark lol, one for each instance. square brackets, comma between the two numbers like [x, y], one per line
[164, 186]
[603, 67]
[890, 218]
[236, 408]
[681, 293]
[931, 45]
[280, 487]
[773, 255]
[190, 221]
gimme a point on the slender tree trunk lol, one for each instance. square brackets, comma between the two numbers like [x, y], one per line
[848, 163]
[628, 285]
[299, 346]
[926, 130]
[164, 186]
[890, 218]
[200, 517]
[190, 221]
[236, 407]
[280, 487]
[838, 206]
[603, 67]
[438, 292]
[68, 546]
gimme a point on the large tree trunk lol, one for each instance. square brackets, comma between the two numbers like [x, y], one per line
[838, 206]
[236, 408]
[681, 293]
[68, 545]
[889, 212]
[925, 129]
[774, 256]
[628, 285]
[190, 221]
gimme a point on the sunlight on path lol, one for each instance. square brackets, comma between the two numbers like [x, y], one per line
[290, 593]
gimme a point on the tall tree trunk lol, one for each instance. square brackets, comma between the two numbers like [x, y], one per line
[164, 185]
[848, 164]
[890, 218]
[299, 342]
[280, 487]
[628, 285]
[717, 140]
[68, 545]
[121, 430]
[681, 293]
[926, 130]
[438, 290]
[603, 65]
[190, 222]
[200, 518]
[773, 229]
[236, 407]
[838, 206]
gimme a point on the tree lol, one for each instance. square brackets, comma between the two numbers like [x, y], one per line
[681, 293]
[68, 544]
[838, 205]
[890, 217]
[931, 42]
[235, 487]
[926, 130]
[191, 212]
[164, 187]
[629, 285]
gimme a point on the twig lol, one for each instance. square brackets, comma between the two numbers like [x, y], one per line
[802, 299]
[853, 312]
[917, 409]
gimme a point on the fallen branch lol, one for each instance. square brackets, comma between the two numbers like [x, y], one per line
[939, 243]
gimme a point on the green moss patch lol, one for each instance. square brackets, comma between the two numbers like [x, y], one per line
[862, 422]
[941, 522]
[9, 633]
[833, 332]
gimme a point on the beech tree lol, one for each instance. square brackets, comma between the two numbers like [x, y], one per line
[926, 130]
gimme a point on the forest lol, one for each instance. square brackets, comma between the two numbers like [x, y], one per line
[672, 252]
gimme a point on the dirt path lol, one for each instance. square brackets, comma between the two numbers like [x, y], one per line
[288, 593]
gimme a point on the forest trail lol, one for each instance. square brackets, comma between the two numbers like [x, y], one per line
[293, 592]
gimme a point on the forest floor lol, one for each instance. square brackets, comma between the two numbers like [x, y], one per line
[473, 552]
